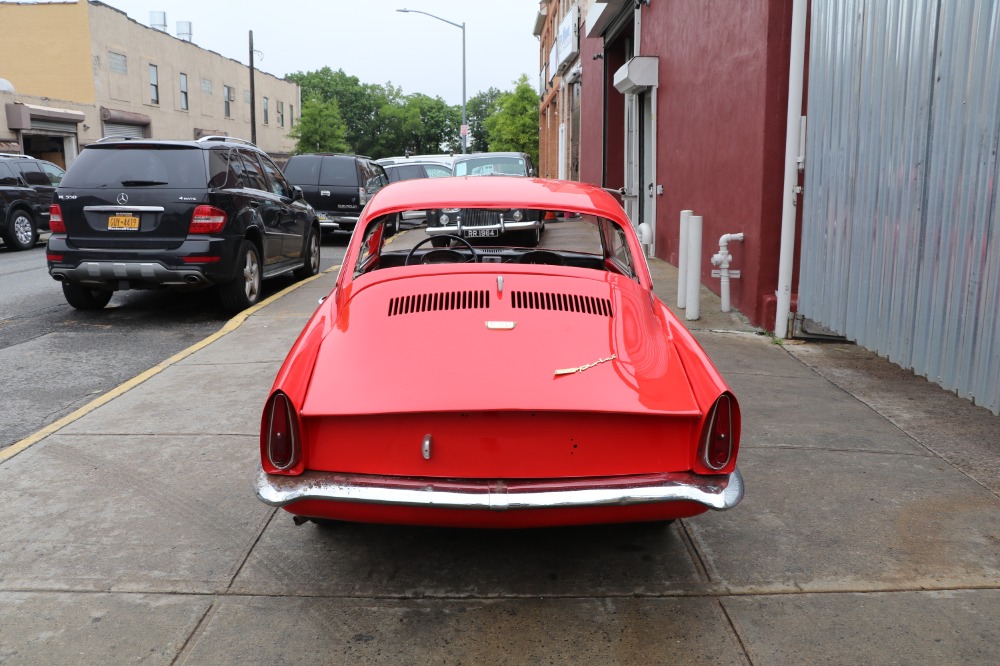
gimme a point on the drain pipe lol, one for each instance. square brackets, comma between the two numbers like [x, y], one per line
[722, 259]
[796, 66]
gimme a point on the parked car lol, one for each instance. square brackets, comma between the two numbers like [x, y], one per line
[438, 158]
[537, 387]
[412, 171]
[493, 164]
[337, 186]
[143, 214]
[525, 225]
[26, 188]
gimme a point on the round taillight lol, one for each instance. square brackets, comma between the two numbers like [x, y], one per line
[282, 438]
[720, 433]
[56, 223]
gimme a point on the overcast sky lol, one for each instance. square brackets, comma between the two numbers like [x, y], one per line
[367, 38]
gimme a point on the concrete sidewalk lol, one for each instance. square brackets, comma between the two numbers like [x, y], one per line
[870, 533]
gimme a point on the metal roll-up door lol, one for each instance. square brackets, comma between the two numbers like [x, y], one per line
[43, 125]
[123, 130]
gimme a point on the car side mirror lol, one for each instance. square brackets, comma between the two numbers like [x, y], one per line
[297, 193]
[531, 172]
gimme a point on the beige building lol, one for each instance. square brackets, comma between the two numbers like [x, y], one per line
[100, 73]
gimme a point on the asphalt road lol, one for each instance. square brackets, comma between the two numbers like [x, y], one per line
[55, 359]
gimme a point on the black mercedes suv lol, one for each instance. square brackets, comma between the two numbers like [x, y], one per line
[145, 214]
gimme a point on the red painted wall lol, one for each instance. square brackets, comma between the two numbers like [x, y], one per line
[592, 111]
[721, 110]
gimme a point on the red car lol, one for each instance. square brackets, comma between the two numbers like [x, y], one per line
[487, 385]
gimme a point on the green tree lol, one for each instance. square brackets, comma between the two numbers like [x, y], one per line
[514, 126]
[359, 103]
[320, 129]
[480, 107]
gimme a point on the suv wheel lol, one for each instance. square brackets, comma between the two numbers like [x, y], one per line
[244, 290]
[310, 264]
[21, 232]
[85, 298]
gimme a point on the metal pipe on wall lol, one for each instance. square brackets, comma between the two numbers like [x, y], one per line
[796, 67]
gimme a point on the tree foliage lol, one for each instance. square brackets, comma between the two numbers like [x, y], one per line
[320, 129]
[478, 108]
[379, 120]
[514, 126]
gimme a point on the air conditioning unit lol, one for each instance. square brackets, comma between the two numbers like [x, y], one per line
[232, 94]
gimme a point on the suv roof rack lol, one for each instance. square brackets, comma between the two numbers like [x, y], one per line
[115, 138]
[15, 155]
[218, 137]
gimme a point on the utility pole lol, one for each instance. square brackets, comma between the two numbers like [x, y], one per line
[253, 99]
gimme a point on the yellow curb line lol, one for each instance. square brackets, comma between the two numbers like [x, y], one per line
[121, 389]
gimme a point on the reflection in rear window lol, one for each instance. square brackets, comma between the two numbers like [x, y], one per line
[182, 168]
[487, 166]
[339, 172]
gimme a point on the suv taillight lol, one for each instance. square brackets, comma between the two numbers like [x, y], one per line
[56, 223]
[207, 220]
[280, 433]
[721, 434]
[362, 196]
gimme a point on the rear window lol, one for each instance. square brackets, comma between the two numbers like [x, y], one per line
[302, 170]
[488, 166]
[138, 166]
[339, 172]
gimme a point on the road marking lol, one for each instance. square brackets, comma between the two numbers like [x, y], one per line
[121, 389]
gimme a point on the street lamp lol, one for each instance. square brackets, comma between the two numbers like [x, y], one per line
[457, 25]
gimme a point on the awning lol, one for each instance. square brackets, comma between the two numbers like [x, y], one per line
[637, 74]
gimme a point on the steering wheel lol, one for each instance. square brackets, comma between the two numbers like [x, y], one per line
[438, 253]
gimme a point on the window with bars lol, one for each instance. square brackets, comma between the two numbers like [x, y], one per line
[228, 95]
[265, 111]
[281, 114]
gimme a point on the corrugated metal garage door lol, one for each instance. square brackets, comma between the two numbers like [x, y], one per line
[901, 219]
[123, 130]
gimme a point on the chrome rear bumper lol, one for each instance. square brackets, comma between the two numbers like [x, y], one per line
[715, 492]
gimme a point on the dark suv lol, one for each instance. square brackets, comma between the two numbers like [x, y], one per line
[338, 186]
[143, 214]
[26, 187]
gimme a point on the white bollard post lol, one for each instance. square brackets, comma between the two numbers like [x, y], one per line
[682, 251]
[693, 310]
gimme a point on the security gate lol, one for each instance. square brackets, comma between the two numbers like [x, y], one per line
[901, 220]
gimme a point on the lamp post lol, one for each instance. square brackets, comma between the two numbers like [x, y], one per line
[462, 136]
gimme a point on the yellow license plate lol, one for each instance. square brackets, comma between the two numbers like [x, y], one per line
[123, 223]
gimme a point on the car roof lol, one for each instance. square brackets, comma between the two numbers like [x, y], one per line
[473, 156]
[476, 192]
[414, 162]
[207, 142]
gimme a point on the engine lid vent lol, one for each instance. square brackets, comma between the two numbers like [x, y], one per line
[444, 300]
[537, 300]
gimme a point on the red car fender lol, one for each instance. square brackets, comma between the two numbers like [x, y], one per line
[706, 383]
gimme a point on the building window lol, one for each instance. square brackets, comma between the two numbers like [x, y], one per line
[291, 116]
[184, 92]
[228, 95]
[281, 114]
[265, 110]
[246, 97]
[154, 85]
[206, 86]
[117, 63]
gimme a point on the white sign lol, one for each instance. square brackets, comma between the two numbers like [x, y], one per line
[568, 39]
